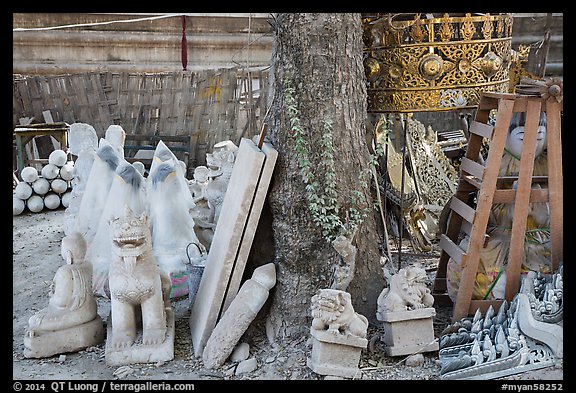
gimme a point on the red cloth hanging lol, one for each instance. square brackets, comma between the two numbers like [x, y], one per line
[184, 45]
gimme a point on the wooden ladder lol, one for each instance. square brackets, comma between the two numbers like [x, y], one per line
[482, 181]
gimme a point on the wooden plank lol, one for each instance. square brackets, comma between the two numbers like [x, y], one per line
[166, 103]
[472, 167]
[154, 109]
[452, 232]
[535, 179]
[499, 95]
[473, 181]
[521, 104]
[487, 103]
[508, 196]
[555, 183]
[481, 129]
[451, 248]
[465, 211]
[522, 201]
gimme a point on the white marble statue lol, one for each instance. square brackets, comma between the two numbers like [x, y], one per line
[221, 162]
[407, 290]
[332, 311]
[138, 289]
[338, 335]
[83, 143]
[406, 312]
[202, 213]
[70, 322]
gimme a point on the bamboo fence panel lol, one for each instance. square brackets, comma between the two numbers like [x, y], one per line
[210, 105]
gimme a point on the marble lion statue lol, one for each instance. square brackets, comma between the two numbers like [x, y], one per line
[332, 311]
[136, 283]
[407, 291]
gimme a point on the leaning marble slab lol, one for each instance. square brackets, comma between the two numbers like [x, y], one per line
[232, 239]
[252, 224]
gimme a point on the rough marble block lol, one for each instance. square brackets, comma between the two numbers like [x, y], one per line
[336, 354]
[408, 332]
[139, 353]
[227, 240]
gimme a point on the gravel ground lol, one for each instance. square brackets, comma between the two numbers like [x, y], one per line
[36, 257]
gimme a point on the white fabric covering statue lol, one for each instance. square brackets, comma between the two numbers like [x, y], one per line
[171, 222]
[128, 188]
[96, 192]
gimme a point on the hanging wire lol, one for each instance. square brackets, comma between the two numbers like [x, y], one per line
[98, 23]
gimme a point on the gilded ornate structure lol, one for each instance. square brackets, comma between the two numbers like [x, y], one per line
[428, 62]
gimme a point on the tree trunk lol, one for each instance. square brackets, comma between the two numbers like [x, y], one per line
[320, 57]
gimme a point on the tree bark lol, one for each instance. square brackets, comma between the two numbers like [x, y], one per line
[321, 56]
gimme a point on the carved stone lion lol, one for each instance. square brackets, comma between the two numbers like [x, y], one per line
[407, 291]
[136, 283]
[332, 310]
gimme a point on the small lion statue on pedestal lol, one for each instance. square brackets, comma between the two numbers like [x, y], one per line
[139, 296]
[338, 334]
[407, 291]
[406, 312]
[332, 310]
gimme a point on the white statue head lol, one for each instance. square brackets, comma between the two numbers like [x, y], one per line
[201, 174]
[116, 135]
[222, 156]
[73, 248]
[515, 140]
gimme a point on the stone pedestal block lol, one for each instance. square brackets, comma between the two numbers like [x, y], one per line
[42, 344]
[336, 354]
[408, 332]
[139, 353]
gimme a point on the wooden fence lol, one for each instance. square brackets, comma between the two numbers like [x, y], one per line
[210, 105]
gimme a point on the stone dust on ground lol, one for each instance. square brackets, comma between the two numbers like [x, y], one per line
[36, 257]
